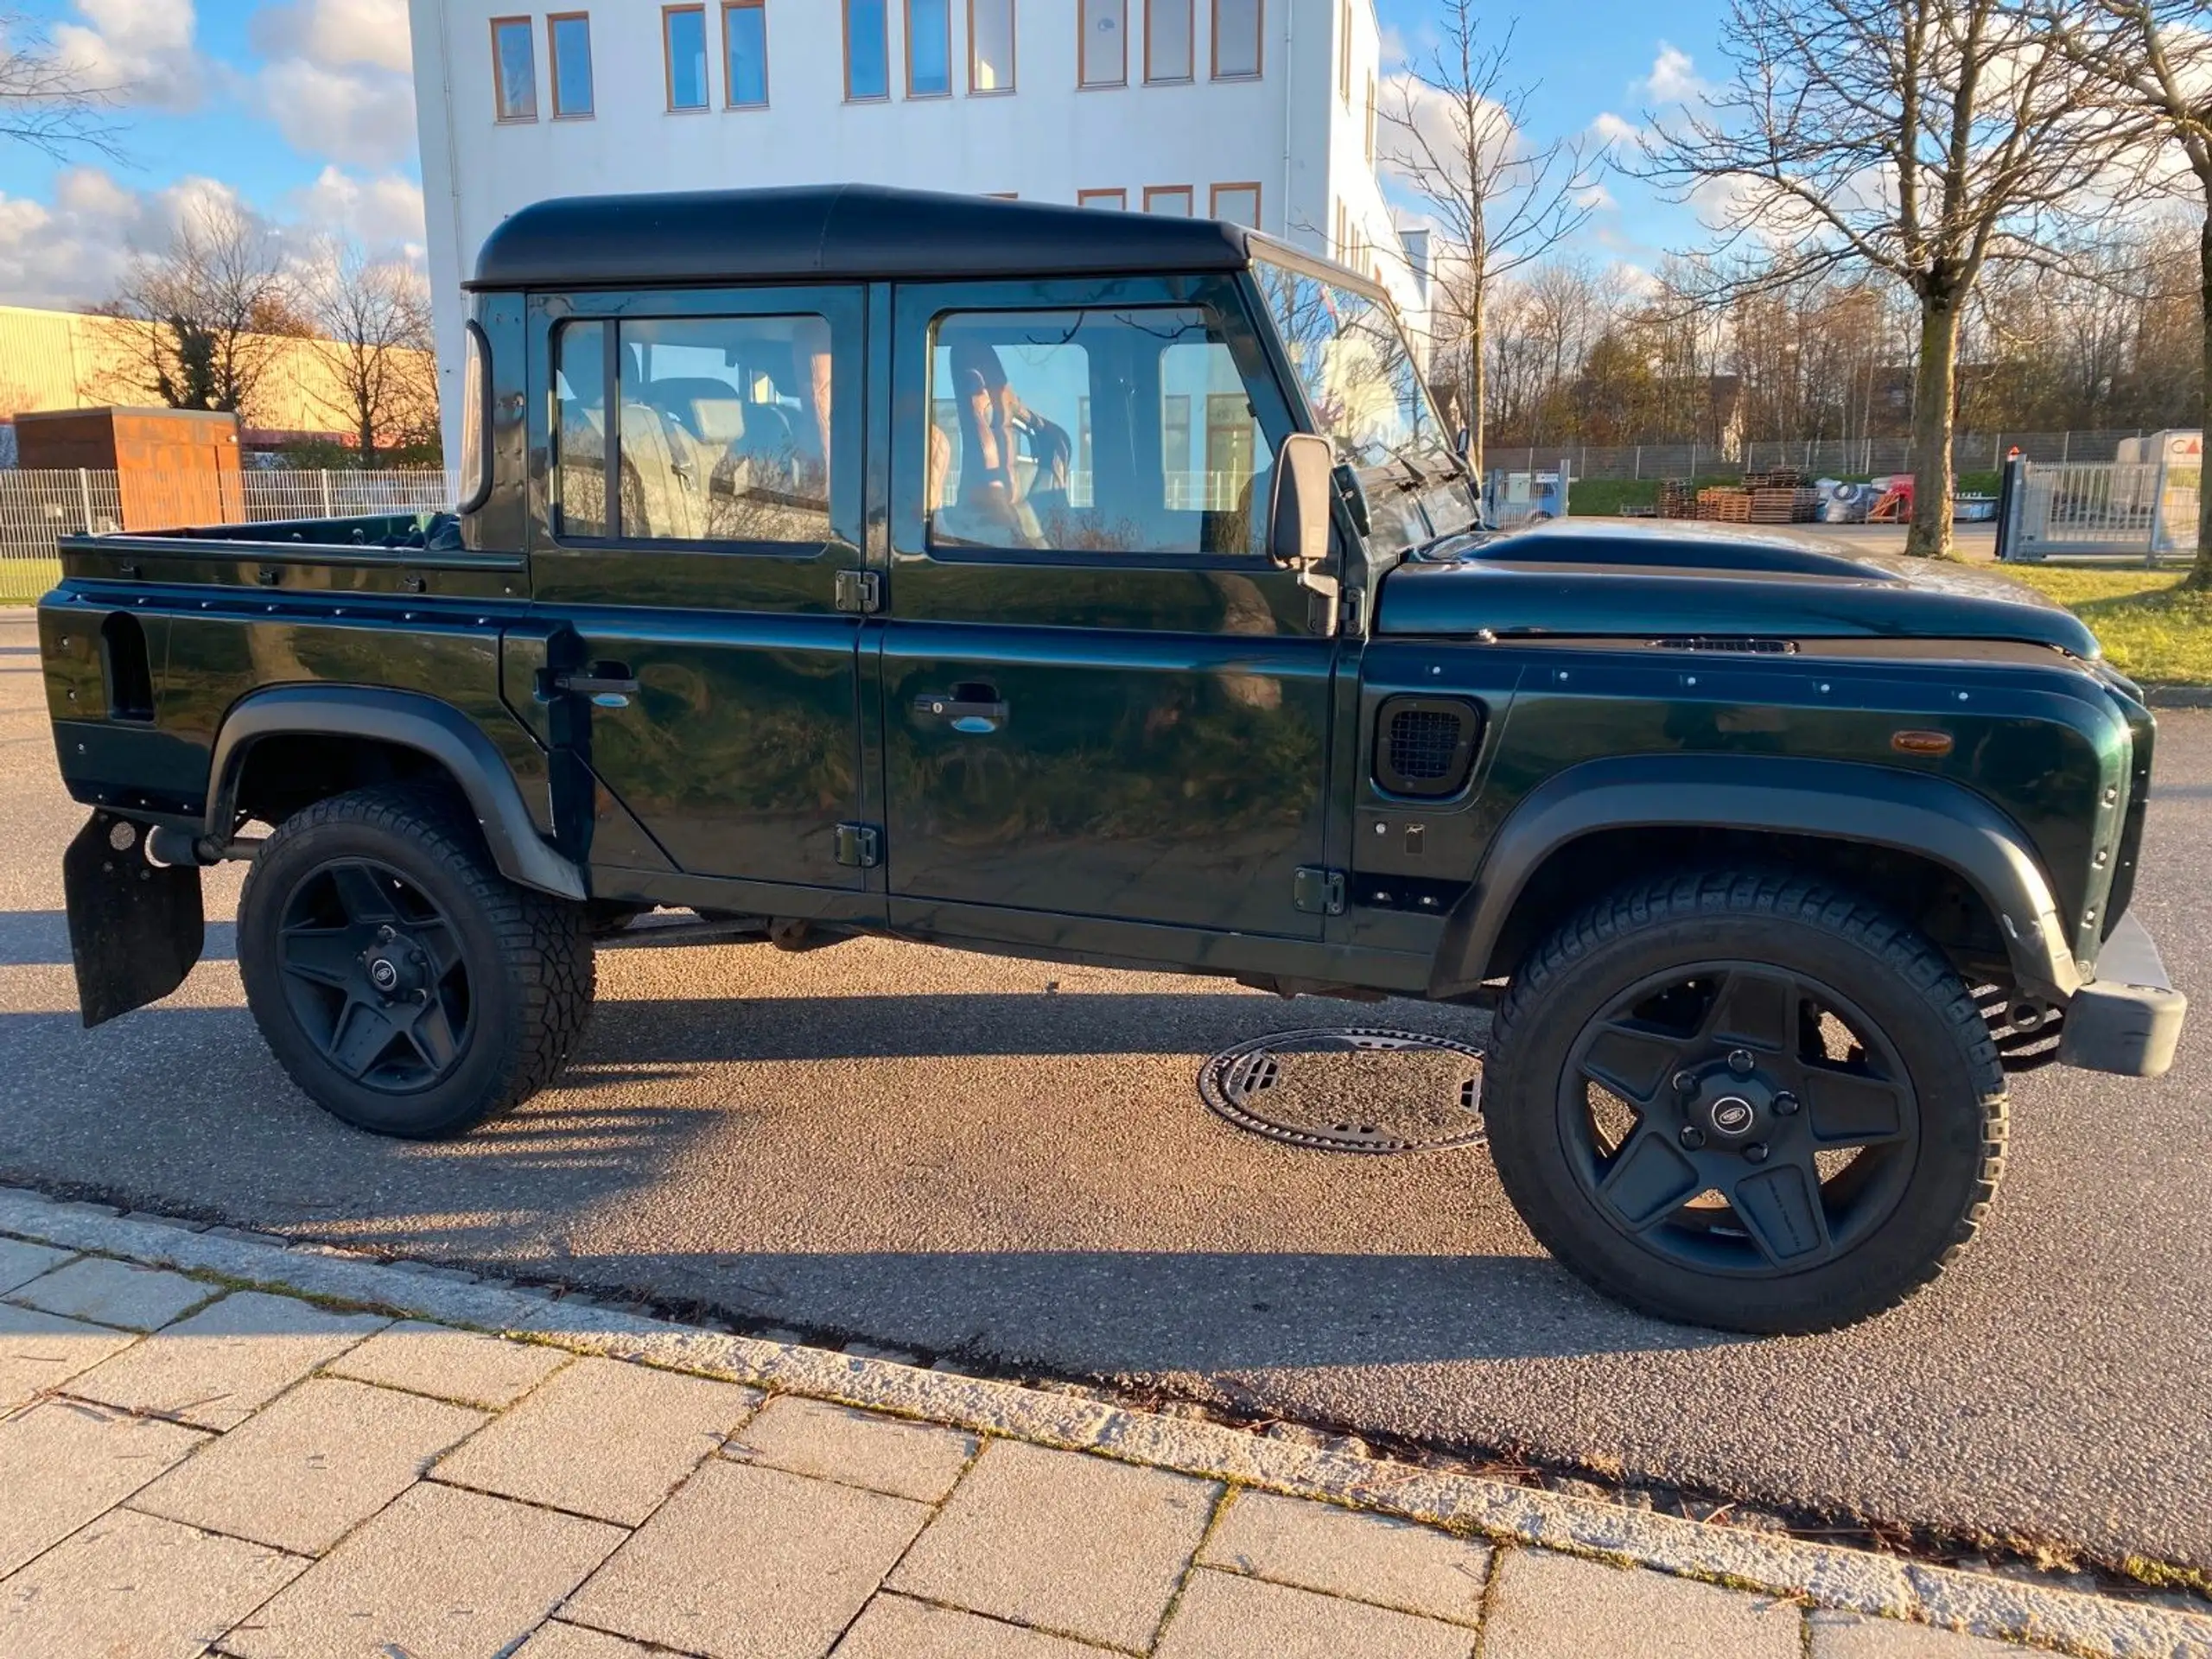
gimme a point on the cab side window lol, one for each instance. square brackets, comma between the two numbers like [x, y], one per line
[1110, 429]
[580, 430]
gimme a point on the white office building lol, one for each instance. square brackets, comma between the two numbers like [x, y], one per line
[1257, 110]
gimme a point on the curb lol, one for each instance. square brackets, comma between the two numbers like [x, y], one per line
[1828, 1575]
[2178, 697]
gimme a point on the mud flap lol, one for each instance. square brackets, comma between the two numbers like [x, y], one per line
[135, 927]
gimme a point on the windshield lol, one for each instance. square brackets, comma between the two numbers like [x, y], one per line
[1359, 377]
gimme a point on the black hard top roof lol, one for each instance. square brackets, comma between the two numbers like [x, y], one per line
[850, 231]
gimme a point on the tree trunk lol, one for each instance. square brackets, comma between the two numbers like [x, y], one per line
[1477, 393]
[2200, 573]
[368, 435]
[1932, 396]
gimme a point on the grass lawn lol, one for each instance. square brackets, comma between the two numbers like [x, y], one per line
[2150, 629]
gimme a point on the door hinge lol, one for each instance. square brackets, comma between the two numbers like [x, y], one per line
[1319, 893]
[859, 846]
[859, 592]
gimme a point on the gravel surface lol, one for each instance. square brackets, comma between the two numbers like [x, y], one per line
[1008, 1161]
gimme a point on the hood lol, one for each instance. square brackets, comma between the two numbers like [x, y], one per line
[1648, 581]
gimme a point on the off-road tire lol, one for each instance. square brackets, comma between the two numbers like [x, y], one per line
[1796, 923]
[528, 956]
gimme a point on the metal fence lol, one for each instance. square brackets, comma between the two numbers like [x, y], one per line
[1971, 452]
[2128, 510]
[35, 507]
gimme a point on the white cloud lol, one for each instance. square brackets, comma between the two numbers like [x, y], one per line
[140, 53]
[1612, 128]
[73, 253]
[1595, 199]
[383, 214]
[335, 34]
[363, 118]
[1674, 78]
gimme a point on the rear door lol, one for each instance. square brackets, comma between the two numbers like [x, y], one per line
[1099, 697]
[697, 496]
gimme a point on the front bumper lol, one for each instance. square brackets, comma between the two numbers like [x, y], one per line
[2128, 1018]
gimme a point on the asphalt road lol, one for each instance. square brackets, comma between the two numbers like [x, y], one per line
[1008, 1161]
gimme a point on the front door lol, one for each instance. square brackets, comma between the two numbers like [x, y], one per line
[698, 495]
[1099, 697]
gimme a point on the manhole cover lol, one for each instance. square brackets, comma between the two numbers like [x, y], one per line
[1350, 1091]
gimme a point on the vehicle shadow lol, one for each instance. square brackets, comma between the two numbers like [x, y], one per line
[33, 939]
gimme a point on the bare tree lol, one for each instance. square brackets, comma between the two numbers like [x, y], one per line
[48, 102]
[2152, 59]
[211, 312]
[1925, 138]
[1501, 201]
[373, 322]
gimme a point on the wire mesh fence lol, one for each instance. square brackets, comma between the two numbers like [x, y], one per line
[35, 507]
[1971, 452]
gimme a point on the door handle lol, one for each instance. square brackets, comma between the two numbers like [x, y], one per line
[975, 709]
[611, 685]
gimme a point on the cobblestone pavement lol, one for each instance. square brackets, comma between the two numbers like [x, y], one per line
[263, 1455]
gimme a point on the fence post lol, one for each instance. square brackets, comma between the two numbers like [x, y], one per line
[325, 475]
[2065, 447]
[85, 497]
[1637, 467]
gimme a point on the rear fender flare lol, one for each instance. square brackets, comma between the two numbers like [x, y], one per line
[1835, 800]
[409, 720]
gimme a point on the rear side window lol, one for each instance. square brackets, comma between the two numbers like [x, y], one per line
[580, 431]
[1120, 429]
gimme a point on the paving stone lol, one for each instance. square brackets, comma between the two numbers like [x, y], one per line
[603, 1439]
[40, 1351]
[133, 1586]
[439, 1574]
[556, 1640]
[476, 1371]
[20, 1262]
[894, 1627]
[859, 1448]
[1223, 1616]
[115, 1293]
[1848, 1636]
[225, 1362]
[1343, 1553]
[305, 1470]
[1548, 1606]
[1064, 1540]
[747, 1563]
[62, 1463]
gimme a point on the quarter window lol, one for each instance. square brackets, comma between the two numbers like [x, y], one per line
[514, 69]
[580, 431]
[683, 46]
[745, 50]
[570, 34]
[1105, 50]
[867, 50]
[929, 49]
[1122, 430]
[990, 46]
[1168, 40]
[1236, 30]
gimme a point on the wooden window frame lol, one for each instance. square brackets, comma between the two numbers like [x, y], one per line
[1213, 198]
[907, 18]
[1191, 191]
[1259, 71]
[1121, 40]
[1013, 49]
[1370, 118]
[499, 105]
[668, 58]
[1344, 53]
[729, 95]
[1191, 45]
[1085, 198]
[553, 21]
[845, 21]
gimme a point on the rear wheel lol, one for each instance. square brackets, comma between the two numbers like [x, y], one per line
[404, 983]
[1747, 1101]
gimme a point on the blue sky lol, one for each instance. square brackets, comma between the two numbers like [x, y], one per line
[301, 108]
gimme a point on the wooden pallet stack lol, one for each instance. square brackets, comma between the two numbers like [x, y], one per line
[1724, 503]
[1678, 498]
[1782, 495]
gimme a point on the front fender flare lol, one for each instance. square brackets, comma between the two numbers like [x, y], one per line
[1835, 800]
[410, 720]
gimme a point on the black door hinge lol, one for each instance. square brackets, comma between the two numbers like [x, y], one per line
[1319, 893]
[859, 846]
[859, 592]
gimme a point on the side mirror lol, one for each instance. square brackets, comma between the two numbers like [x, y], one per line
[1297, 518]
[1463, 443]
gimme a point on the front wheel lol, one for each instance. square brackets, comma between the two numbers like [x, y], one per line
[1748, 1101]
[404, 984]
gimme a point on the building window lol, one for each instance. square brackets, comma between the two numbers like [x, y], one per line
[683, 53]
[1001, 195]
[1105, 48]
[1343, 237]
[1168, 40]
[1236, 30]
[514, 68]
[1344, 52]
[1174, 200]
[1237, 203]
[745, 53]
[867, 50]
[1371, 120]
[990, 46]
[569, 33]
[1118, 200]
[929, 49]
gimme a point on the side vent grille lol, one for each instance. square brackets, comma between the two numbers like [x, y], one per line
[1728, 642]
[1425, 746]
